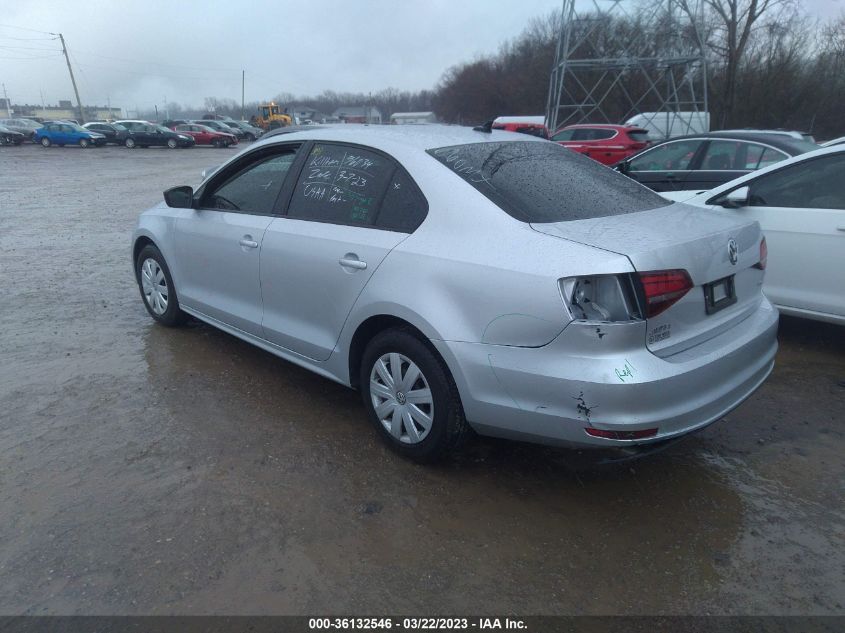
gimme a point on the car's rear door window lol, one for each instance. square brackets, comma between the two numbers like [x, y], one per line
[722, 156]
[771, 156]
[592, 134]
[404, 206]
[341, 184]
[545, 182]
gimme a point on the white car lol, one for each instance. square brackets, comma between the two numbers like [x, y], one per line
[800, 204]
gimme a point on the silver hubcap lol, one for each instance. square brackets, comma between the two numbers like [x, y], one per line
[154, 286]
[401, 398]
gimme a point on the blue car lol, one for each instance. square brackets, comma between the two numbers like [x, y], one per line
[65, 133]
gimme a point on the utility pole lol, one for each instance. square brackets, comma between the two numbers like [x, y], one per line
[6, 98]
[72, 78]
[243, 79]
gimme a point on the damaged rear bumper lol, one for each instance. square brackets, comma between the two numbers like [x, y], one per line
[601, 376]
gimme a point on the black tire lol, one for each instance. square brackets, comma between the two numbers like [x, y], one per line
[83, 143]
[172, 143]
[45, 142]
[449, 428]
[130, 143]
[250, 136]
[217, 143]
[173, 315]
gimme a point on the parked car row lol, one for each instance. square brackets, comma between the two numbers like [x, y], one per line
[9, 136]
[130, 133]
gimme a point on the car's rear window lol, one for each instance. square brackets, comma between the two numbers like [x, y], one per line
[545, 182]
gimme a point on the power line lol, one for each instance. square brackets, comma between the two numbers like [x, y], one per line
[23, 28]
[28, 48]
[27, 39]
[33, 57]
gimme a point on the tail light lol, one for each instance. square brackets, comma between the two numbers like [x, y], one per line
[662, 288]
[600, 298]
[764, 255]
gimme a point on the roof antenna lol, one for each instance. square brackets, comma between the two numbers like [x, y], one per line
[487, 127]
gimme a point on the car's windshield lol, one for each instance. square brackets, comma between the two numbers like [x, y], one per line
[161, 128]
[118, 127]
[78, 128]
[545, 182]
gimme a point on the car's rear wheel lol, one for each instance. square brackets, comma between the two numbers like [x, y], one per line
[130, 143]
[411, 397]
[83, 142]
[46, 142]
[156, 286]
[172, 143]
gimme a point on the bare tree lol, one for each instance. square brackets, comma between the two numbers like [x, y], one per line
[733, 23]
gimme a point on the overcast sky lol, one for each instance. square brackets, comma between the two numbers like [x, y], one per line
[139, 53]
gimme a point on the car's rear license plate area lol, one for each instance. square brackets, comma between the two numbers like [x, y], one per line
[719, 294]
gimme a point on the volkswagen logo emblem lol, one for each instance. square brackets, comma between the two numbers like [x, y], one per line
[733, 251]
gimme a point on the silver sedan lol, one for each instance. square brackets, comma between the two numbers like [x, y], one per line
[465, 279]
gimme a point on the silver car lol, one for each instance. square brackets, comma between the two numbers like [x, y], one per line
[466, 279]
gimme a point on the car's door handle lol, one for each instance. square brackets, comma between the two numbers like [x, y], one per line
[248, 242]
[347, 262]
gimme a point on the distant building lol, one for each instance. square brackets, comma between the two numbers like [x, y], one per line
[408, 118]
[65, 110]
[304, 114]
[359, 114]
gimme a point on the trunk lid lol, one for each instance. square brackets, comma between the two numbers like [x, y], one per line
[679, 236]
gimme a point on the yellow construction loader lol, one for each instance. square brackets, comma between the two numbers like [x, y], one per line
[270, 117]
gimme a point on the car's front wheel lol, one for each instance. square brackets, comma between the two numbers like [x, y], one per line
[156, 286]
[130, 143]
[172, 143]
[45, 142]
[83, 142]
[411, 397]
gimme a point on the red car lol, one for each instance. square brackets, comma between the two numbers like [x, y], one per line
[608, 144]
[533, 125]
[204, 135]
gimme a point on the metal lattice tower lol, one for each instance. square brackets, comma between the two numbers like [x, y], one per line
[607, 70]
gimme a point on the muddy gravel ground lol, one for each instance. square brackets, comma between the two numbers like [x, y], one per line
[146, 470]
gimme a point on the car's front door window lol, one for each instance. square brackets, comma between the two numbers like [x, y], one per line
[254, 189]
[812, 184]
[672, 156]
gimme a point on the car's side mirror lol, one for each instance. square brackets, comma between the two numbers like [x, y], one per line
[622, 167]
[179, 197]
[735, 199]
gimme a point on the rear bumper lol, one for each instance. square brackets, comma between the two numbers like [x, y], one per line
[602, 376]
